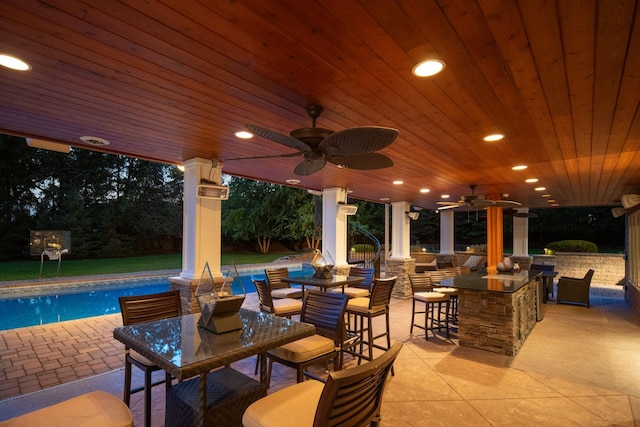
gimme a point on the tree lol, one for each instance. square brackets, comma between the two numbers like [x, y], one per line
[263, 211]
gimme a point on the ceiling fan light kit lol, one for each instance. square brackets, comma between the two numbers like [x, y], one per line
[477, 201]
[353, 148]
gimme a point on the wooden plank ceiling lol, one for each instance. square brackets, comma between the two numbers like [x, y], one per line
[173, 80]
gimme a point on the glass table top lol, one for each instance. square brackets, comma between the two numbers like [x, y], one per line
[184, 349]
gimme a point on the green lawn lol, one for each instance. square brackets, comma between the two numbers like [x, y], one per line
[30, 269]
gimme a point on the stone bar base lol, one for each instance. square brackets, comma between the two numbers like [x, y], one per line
[496, 321]
[401, 268]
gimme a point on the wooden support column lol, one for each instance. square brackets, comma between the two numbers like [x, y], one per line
[495, 249]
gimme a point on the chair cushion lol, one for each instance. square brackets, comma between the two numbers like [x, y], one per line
[94, 409]
[304, 349]
[293, 406]
[360, 305]
[430, 296]
[286, 293]
[472, 261]
[286, 306]
[351, 292]
[448, 291]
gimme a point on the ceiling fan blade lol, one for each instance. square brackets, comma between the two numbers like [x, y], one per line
[441, 208]
[266, 157]
[280, 138]
[363, 161]
[309, 166]
[448, 203]
[482, 203]
[365, 139]
[506, 203]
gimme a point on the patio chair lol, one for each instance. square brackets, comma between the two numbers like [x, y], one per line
[358, 289]
[422, 292]
[575, 290]
[285, 307]
[351, 397]
[368, 308]
[324, 310]
[140, 309]
[280, 289]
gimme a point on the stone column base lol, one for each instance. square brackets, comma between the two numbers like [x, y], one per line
[187, 288]
[401, 268]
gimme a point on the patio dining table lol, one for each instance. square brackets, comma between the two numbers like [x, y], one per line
[335, 281]
[183, 349]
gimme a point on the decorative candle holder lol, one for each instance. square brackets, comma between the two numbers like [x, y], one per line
[321, 266]
[219, 302]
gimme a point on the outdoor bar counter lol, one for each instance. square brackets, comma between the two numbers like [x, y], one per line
[496, 312]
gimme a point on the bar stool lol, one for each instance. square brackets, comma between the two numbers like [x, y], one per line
[452, 293]
[377, 304]
[422, 291]
[436, 278]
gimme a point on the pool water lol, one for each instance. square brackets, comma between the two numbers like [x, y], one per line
[41, 305]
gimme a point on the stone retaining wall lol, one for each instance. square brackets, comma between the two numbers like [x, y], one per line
[609, 268]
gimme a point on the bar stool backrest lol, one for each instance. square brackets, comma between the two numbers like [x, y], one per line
[353, 397]
[420, 282]
[381, 292]
[274, 277]
[264, 294]
[366, 272]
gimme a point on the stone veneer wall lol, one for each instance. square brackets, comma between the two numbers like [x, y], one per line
[401, 269]
[609, 269]
[187, 289]
[496, 321]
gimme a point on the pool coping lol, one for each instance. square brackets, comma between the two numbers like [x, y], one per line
[134, 275]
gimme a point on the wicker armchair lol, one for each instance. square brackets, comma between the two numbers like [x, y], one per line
[574, 290]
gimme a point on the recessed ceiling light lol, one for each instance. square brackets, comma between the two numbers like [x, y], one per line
[243, 134]
[518, 167]
[531, 180]
[428, 68]
[398, 182]
[384, 199]
[555, 205]
[546, 195]
[94, 140]
[551, 201]
[493, 137]
[14, 63]
[424, 190]
[540, 188]
[293, 181]
[444, 196]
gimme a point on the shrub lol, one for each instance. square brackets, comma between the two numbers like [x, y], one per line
[573, 246]
[362, 247]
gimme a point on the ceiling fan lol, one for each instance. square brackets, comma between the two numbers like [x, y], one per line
[477, 201]
[352, 148]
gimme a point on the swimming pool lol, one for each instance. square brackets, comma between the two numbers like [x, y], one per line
[40, 305]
